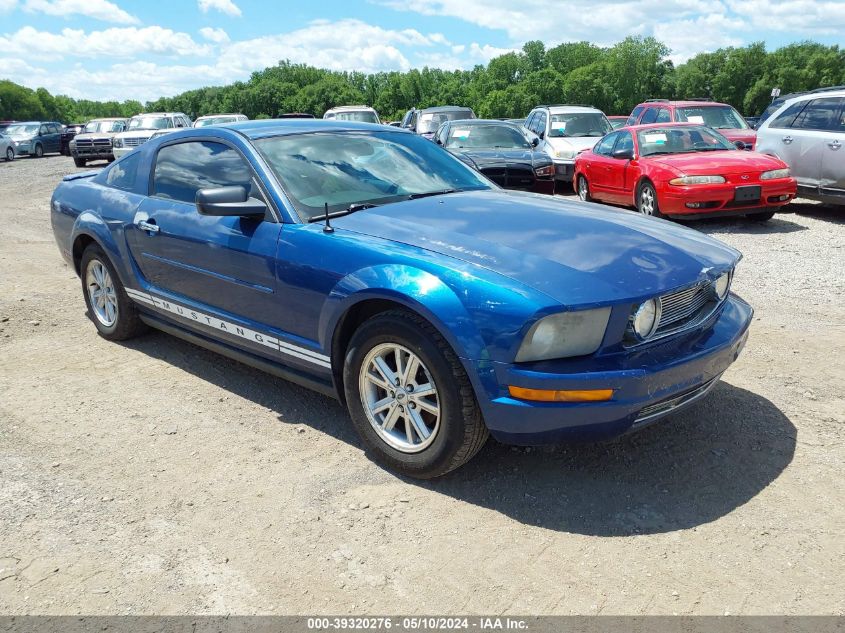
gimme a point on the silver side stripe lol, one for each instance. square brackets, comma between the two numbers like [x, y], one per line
[272, 342]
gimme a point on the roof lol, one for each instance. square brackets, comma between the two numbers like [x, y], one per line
[560, 108]
[108, 118]
[280, 127]
[444, 108]
[211, 116]
[350, 107]
[159, 114]
[462, 122]
[813, 94]
[651, 126]
[687, 103]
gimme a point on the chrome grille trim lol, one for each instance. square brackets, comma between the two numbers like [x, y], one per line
[134, 141]
[673, 404]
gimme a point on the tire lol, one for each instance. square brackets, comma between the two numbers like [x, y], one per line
[761, 216]
[583, 189]
[10, 154]
[39, 150]
[110, 159]
[647, 200]
[121, 321]
[79, 162]
[455, 434]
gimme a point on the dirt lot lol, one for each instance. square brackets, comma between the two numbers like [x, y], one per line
[155, 477]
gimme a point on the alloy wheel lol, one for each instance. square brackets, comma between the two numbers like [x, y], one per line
[647, 200]
[101, 293]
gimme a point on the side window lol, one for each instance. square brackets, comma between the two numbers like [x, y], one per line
[625, 142]
[122, 174]
[820, 114]
[183, 169]
[540, 123]
[785, 119]
[57, 129]
[632, 120]
[43, 130]
[605, 146]
[650, 116]
[443, 133]
[663, 116]
[528, 124]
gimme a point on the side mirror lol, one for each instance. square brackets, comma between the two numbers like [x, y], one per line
[535, 141]
[231, 201]
[740, 144]
[541, 134]
[623, 154]
[438, 141]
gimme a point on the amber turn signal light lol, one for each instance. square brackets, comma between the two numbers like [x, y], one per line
[549, 395]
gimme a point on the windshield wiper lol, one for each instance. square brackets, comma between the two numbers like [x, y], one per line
[352, 208]
[426, 194]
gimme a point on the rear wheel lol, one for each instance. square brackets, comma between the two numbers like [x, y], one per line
[113, 313]
[584, 189]
[762, 216]
[410, 398]
[10, 154]
[647, 200]
[79, 162]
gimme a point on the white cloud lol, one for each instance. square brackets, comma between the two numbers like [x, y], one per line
[218, 36]
[7, 5]
[687, 38]
[224, 6]
[97, 9]
[115, 42]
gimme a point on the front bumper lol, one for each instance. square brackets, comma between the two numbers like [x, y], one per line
[564, 170]
[24, 148]
[121, 151]
[648, 385]
[718, 200]
[92, 152]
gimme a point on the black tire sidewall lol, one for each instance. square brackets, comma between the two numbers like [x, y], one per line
[434, 459]
[39, 150]
[10, 154]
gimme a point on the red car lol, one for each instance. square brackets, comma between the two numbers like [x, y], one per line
[720, 116]
[681, 170]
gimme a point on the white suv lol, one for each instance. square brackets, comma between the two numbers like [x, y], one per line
[362, 113]
[141, 128]
[565, 130]
[807, 132]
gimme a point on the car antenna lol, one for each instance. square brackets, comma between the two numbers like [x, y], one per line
[328, 228]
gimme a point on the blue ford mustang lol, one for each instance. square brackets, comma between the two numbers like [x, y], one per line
[370, 264]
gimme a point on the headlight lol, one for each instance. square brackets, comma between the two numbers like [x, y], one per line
[563, 335]
[545, 172]
[118, 142]
[722, 285]
[565, 153]
[72, 143]
[697, 180]
[645, 318]
[774, 173]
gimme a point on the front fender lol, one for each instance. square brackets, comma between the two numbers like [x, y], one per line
[417, 290]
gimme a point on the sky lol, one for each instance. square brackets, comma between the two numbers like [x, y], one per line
[144, 49]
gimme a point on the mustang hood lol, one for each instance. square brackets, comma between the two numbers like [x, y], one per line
[576, 253]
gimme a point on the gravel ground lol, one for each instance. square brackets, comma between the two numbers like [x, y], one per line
[155, 477]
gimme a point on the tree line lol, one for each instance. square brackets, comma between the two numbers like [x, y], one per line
[613, 79]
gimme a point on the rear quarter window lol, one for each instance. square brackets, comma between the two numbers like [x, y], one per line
[123, 173]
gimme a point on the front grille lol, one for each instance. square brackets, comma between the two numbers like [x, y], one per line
[134, 141]
[659, 409]
[88, 143]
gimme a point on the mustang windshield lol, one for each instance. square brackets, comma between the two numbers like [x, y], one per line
[347, 169]
[486, 136]
[681, 140]
[150, 123]
[574, 124]
[719, 117]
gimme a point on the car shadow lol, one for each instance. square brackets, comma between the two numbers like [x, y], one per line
[819, 211]
[740, 225]
[687, 470]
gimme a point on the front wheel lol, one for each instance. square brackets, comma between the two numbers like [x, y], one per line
[584, 189]
[410, 398]
[647, 201]
[110, 308]
[79, 162]
[762, 216]
[39, 151]
[10, 154]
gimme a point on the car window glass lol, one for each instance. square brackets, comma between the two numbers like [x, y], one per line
[650, 116]
[56, 129]
[624, 143]
[632, 120]
[820, 114]
[579, 124]
[42, 129]
[605, 146]
[787, 117]
[720, 117]
[485, 136]
[663, 116]
[183, 169]
[122, 174]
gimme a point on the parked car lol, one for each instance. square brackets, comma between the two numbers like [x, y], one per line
[682, 170]
[372, 265]
[426, 121]
[752, 121]
[219, 119]
[617, 121]
[719, 116]
[142, 126]
[777, 102]
[95, 140]
[808, 133]
[565, 130]
[501, 151]
[69, 131]
[362, 113]
[36, 138]
[5, 124]
[7, 147]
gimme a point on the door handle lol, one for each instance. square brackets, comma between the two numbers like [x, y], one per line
[787, 139]
[149, 227]
[834, 144]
